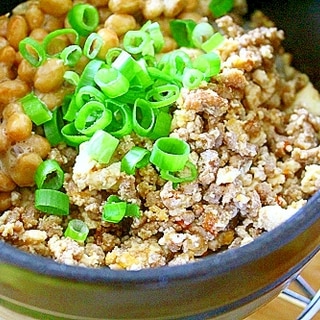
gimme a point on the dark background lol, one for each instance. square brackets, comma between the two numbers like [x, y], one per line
[300, 19]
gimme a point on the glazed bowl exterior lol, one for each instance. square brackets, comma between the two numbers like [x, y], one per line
[228, 285]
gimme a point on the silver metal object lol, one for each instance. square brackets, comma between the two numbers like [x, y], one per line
[309, 300]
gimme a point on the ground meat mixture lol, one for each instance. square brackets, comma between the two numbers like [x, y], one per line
[253, 131]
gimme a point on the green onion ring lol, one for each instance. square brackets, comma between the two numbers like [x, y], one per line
[135, 158]
[77, 230]
[49, 175]
[102, 146]
[92, 117]
[84, 18]
[35, 109]
[52, 202]
[143, 117]
[111, 82]
[92, 45]
[170, 154]
[32, 51]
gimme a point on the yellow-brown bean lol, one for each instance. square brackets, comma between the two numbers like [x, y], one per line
[11, 90]
[104, 13]
[110, 40]
[121, 23]
[4, 141]
[22, 173]
[164, 25]
[6, 72]
[49, 76]
[34, 17]
[173, 7]
[6, 183]
[191, 5]
[26, 71]
[56, 8]
[54, 99]
[195, 16]
[203, 8]
[17, 30]
[3, 25]
[152, 9]
[3, 42]
[8, 55]
[18, 127]
[169, 44]
[124, 6]
[52, 23]
[38, 145]
[98, 3]
[38, 34]
[5, 201]
[57, 45]
[10, 109]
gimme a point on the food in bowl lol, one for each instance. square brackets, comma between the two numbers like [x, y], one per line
[149, 134]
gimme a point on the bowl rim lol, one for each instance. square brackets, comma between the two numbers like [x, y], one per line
[204, 268]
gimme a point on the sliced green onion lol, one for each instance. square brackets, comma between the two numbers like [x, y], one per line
[90, 70]
[121, 123]
[143, 117]
[112, 82]
[102, 146]
[49, 38]
[126, 65]
[208, 63]
[71, 55]
[132, 95]
[142, 78]
[113, 198]
[162, 126]
[178, 61]
[77, 230]
[92, 45]
[71, 77]
[92, 117]
[135, 158]
[66, 102]
[181, 31]
[170, 154]
[35, 109]
[192, 78]
[114, 212]
[219, 8]
[157, 74]
[32, 51]
[49, 175]
[52, 128]
[84, 18]
[213, 42]
[112, 55]
[188, 174]
[201, 33]
[153, 29]
[163, 95]
[138, 42]
[72, 136]
[70, 108]
[132, 210]
[86, 94]
[52, 202]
